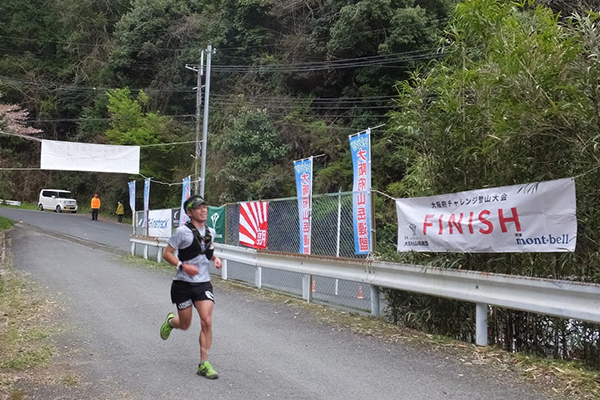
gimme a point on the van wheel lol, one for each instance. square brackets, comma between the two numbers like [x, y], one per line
[41, 207]
[58, 209]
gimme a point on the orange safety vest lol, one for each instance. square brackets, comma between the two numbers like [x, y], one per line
[95, 202]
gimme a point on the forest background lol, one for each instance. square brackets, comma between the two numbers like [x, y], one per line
[473, 94]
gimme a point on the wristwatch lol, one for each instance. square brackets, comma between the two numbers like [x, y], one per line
[180, 264]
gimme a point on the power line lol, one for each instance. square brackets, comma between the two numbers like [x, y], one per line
[370, 61]
[316, 102]
[221, 49]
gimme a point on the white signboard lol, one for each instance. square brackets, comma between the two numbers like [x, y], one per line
[160, 223]
[534, 217]
[73, 156]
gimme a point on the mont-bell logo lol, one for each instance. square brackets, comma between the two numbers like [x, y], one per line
[413, 228]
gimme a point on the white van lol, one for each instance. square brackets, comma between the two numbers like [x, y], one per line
[57, 200]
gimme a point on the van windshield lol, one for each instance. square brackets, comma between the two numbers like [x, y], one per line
[64, 195]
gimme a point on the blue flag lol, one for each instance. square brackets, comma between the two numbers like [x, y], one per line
[360, 146]
[146, 201]
[185, 194]
[304, 174]
[132, 197]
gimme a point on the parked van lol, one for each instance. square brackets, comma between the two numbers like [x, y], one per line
[57, 200]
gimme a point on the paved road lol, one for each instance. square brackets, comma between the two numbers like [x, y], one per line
[262, 349]
[103, 233]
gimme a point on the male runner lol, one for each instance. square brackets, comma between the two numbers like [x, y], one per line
[191, 283]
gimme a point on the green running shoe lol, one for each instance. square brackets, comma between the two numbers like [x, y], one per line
[165, 329]
[205, 369]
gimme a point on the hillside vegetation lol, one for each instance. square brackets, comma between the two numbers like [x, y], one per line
[473, 94]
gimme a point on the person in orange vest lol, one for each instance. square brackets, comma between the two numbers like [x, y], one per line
[95, 207]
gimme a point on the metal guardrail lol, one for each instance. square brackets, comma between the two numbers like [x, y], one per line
[148, 242]
[557, 298]
[565, 299]
[11, 202]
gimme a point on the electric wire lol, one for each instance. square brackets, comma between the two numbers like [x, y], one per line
[220, 49]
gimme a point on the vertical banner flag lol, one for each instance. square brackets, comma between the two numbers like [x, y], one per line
[185, 194]
[132, 204]
[304, 174]
[533, 217]
[146, 201]
[132, 197]
[360, 146]
[216, 220]
[254, 225]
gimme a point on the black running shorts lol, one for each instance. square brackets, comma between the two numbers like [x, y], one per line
[184, 294]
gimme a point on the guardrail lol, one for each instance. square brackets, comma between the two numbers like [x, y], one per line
[11, 202]
[147, 241]
[565, 299]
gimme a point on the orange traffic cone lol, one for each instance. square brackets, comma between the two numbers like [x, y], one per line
[360, 296]
[314, 285]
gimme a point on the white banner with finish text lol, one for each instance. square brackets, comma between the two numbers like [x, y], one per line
[160, 223]
[533, 217]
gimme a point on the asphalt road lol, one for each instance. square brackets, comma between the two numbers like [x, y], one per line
[262, 348]
[102, 232]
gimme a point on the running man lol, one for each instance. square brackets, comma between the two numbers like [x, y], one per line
[191, 283]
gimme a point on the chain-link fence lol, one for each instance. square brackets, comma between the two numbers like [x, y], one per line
[332, 228]
[332, 235]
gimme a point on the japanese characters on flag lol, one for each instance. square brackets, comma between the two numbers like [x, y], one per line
[360, 146]
[254, 225]
[304, 173]
[533, 217]
[146, 201]
[185, 194]
[132, 196]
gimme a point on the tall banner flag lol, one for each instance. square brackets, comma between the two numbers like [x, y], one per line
[254, 227]
[146, 201]
[304, 174]
[534, 217]
[216, 220]
[132, 197]
[185, 194]
[132, 204]
[360, 146]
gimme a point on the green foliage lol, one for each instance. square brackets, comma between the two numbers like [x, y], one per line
[513, 101]
[132, 124]
[252, 149]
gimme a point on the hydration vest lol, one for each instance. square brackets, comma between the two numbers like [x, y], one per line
[200, 245]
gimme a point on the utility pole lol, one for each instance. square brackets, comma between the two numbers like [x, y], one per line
[209, 52]
[201, 146]
[198, 88]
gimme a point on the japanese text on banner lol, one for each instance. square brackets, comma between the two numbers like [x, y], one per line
[304, 170]
[360, 146]
[533, 217]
